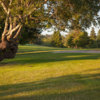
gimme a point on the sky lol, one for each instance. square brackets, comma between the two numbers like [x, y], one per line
[50, 31]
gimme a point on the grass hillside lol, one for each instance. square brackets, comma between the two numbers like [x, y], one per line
[39, 74]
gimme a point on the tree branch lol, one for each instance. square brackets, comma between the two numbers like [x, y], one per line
[10, 33]
[10, 2]
[18, 32]
[6, 27]
[14, 22]
[4, 7]
[15, 28]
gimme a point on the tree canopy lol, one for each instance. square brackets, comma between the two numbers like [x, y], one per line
[74, 14]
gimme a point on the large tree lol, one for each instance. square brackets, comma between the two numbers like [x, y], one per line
[16, 14]
[61, 13]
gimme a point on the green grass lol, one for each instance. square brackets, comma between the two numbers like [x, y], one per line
[38, 74]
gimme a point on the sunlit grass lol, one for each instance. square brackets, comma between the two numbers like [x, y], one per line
[38, 74]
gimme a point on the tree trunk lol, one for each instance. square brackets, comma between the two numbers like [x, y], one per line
[8, 49]
[9, 44]
[12, 28]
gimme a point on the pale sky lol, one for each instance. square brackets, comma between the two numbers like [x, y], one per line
[50, 31]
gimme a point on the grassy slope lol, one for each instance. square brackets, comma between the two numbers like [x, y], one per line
[38, 74]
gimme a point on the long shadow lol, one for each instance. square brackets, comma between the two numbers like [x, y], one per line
[71, 87]
[43, 57]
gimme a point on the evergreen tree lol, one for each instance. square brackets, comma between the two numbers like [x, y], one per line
[93, 41]
[69, 41]
[56, 39]
[77, 39]
[93, 34]
[82, 39]
[98, 38]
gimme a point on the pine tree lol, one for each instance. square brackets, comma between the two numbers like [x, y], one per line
[77, 39]
[69, 40]
[93, 41]
[56, 39]
[98, 38]
[83, 39]
[93, 34]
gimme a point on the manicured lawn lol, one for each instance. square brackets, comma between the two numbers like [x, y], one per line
[38, 74]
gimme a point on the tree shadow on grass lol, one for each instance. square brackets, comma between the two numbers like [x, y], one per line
[71, 87]
[43, 57]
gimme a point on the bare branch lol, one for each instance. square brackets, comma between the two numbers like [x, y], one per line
[16, 28]
[9, 7]
[5, 30]
[6, 27]
[11, 23]
[4, 7]
[10, 2]
[18, 32]
[14, 22]
[10, 33]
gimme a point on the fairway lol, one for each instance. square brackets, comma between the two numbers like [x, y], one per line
[39, 74]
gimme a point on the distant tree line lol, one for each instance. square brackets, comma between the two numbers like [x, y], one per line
[74, 39]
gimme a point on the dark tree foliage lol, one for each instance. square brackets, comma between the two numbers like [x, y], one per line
[30, 35]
